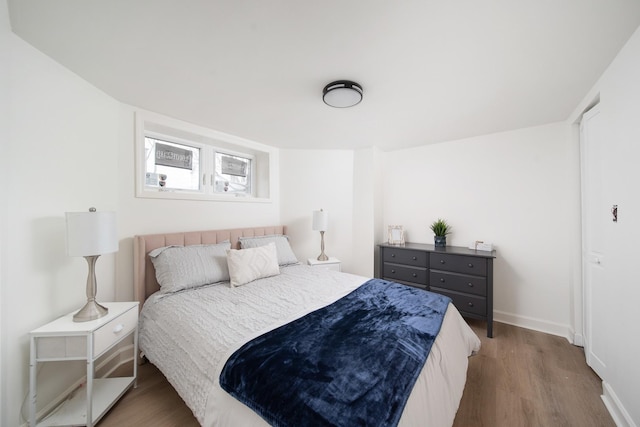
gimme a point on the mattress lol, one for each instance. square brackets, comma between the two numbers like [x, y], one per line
[190, 334]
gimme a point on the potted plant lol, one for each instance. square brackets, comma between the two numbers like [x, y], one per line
[440, 228]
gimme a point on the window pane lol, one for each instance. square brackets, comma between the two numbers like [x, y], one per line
[233, 174]
[171, 166]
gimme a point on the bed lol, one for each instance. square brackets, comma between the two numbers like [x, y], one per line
[189, 333]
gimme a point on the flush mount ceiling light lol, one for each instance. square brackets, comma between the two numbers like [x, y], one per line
[342, 94]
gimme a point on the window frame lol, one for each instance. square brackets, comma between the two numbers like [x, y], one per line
[209, 142]
[178, 141]
[234, 154]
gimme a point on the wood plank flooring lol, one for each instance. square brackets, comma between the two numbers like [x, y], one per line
[519, 378]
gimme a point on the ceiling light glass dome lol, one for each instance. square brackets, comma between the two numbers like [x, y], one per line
[342, 94]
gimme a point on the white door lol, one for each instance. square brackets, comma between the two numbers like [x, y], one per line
[595, 213]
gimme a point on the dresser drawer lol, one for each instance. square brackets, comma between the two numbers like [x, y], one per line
[406, 256]
[459, 282]
[405, 274]
[465, 303]
[111, 332]
[459, 264]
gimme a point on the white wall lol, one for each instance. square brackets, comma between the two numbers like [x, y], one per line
[511, 189]
[62, 156]
[619, 92]
[4, 137]
[312, 180]
[367, 210]
[344, 183]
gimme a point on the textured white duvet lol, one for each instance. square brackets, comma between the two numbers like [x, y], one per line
[189, 335]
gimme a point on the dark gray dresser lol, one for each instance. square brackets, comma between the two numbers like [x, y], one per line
[464, 275]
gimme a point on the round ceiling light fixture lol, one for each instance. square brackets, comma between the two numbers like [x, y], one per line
[342, 94]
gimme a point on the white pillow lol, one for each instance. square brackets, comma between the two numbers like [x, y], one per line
[247, 265]
[285, 254]
[183, 267]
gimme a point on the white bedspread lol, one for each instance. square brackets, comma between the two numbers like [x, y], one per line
[189, 335]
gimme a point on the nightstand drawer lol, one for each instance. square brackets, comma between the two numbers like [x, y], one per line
[459, 282]
[406, 256]
[459, 264]
[330, 264]
[406, 274]
[465, 303]
[111, 332]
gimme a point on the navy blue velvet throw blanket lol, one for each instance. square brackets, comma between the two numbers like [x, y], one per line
[351, 363]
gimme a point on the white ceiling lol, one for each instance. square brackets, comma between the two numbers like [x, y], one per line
[431, 70]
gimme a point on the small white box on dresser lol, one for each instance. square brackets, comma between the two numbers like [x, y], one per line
[331, 263]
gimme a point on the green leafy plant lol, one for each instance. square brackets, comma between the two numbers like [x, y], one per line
[440, 227]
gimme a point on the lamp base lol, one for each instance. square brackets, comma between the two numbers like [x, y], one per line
[322, 256]
[91, 311]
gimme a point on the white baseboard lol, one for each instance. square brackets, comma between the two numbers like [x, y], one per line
[578, 339]
[618, 412]
[118, 358]
[535, 324]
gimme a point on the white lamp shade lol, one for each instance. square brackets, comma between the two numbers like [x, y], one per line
[320, 220]
[91, 233]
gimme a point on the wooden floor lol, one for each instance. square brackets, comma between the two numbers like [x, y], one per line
[519, 378]
[527, 378]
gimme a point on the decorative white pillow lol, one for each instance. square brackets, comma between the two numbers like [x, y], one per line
[247, 265]
[183, 267]
[285, 254]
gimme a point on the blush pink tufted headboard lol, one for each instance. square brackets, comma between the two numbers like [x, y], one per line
[144, 280]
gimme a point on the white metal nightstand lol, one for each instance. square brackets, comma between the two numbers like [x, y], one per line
[331, 263]
[63, 339]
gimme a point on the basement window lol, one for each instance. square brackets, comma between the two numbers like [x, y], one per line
[232, 174]
[176, 160]
[171, 166]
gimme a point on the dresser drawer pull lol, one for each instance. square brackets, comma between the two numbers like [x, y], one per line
[415, 275]
[441, 261]
[470, 265]
[442, 279]
[470, 304]
[393, 255]
[414, 258]
[118, 328]
[393, 271]
[470, 284]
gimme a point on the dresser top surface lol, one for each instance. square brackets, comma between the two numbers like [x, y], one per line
[454, 250]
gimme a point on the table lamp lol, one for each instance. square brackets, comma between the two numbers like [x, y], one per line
[321, 223]
[91, 234]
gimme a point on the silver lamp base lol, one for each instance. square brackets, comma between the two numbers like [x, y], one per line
[322, 256]
[91, 311]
